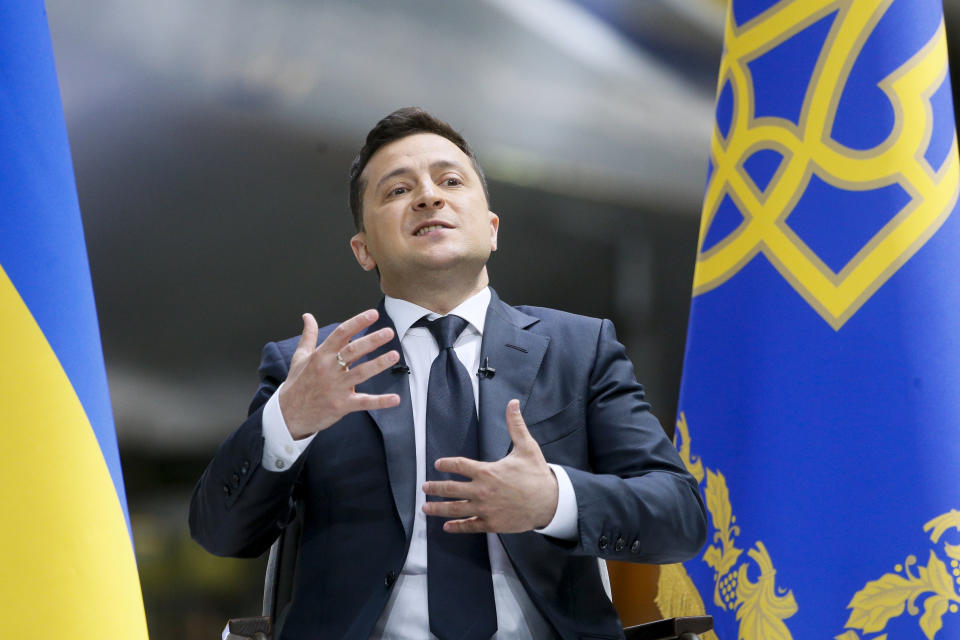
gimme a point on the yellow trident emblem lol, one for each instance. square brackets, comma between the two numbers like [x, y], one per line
[809, 150]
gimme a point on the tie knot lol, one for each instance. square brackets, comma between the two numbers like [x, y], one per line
[445, 330]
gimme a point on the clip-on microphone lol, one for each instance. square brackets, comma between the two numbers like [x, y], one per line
[486, 371]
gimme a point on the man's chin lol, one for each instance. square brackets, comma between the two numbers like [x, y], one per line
[451, 261]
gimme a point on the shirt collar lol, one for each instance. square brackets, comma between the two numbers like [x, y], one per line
[405, 313]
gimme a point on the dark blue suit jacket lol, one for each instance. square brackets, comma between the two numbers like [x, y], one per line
[582, 403]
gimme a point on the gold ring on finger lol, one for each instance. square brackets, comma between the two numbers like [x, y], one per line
[341, 361]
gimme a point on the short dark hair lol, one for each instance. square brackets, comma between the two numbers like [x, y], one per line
[400, 124]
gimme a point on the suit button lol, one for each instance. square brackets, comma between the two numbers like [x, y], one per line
[390, 578]
[226, 490]
[235, 479]
[635, 547]
[245, 467]
[603, 542]
[619, 545]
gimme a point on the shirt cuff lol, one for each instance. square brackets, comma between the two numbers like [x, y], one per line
[564, 523]
[280, 450]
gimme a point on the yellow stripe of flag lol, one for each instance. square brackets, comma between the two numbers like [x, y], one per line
[68, 563]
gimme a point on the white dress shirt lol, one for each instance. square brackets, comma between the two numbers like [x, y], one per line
[405, 616]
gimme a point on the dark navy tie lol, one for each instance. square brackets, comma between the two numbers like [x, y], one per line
[459, 585]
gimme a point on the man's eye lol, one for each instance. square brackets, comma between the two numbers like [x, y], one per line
[452, 182]
[398, 191]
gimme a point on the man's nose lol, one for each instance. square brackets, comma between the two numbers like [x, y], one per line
[427, 198]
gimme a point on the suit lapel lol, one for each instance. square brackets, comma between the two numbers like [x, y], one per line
[516, 355]
[395, 424]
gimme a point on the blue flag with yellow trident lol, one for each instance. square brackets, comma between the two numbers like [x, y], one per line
[66, 554]
[820, 403]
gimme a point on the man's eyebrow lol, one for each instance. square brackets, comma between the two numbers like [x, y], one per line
[393, 174]
[446, 164]
[434, 166]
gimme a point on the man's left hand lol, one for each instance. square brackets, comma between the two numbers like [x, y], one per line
[515, 494]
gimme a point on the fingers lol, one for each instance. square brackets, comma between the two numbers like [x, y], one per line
[360, 347]
[340, 336]
[449, 489]
[308, 338]
[450, 509]
[517, 427]
[467, 525]
[368, 402]
[370, 368]
[463, 466]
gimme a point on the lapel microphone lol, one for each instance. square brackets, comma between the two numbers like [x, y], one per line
[486, 371]
[399, 368]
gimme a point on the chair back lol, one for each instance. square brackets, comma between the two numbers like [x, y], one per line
[282, 570]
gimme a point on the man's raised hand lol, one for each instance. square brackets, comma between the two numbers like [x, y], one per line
[319, 391]
[514, 494]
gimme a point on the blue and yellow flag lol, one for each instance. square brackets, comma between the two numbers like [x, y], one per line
[66, 554]
[820, 404]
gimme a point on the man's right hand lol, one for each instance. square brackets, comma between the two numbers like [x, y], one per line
[318, 391]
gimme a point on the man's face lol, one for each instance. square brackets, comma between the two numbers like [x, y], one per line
[424, 211]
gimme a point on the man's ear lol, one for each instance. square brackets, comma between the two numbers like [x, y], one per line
[359, 245]
[494, 228]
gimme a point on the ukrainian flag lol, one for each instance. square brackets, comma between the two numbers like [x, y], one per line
[65, 548]
[820, 403]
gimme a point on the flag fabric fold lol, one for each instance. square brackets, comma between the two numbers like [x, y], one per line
[66, 549]
[820, 402]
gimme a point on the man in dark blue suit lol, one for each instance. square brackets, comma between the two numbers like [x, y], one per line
[462, 463]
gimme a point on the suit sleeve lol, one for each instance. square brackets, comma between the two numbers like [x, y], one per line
[637, 502]
[238, 507]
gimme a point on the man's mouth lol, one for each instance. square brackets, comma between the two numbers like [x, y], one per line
[428, 228]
